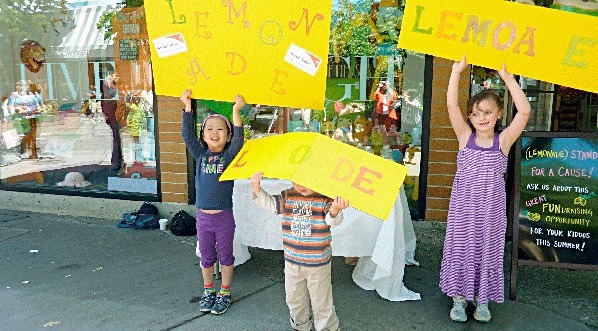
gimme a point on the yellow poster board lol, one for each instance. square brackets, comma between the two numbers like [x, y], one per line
[324, 165]
[273, 53]
[541, 43]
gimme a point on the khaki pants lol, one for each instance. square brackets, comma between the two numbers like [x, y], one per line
[305, 284]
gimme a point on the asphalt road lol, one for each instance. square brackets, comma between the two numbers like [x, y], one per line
[73, 273]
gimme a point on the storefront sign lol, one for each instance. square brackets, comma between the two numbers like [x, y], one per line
[558, 206]
[325, 165]
[131, 28]
[541, 43]
[128, 49]
[240, 47]
[60, 54]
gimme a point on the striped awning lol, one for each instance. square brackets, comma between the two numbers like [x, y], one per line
[85, 39]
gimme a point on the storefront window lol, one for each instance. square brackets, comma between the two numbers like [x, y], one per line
[554, 108]
[541, 96]
[373, 91]
[76, 85]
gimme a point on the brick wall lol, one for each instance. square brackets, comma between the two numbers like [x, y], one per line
[173, 153]
[443, 142]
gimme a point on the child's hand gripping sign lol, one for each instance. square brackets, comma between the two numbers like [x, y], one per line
[324, 165]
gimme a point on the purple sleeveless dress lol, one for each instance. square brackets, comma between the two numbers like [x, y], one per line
[472, 262]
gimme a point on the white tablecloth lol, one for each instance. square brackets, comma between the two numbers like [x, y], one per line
[383, 247]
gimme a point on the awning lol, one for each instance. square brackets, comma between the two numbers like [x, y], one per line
[85, 40]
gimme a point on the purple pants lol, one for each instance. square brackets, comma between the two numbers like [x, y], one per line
[215, 229]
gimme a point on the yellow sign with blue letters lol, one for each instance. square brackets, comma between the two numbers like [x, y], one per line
[325, 165]
[273, 53]
[535, 42]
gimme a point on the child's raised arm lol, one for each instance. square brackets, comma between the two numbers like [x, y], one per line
[462, 130]
[186, 99]
[188, 130]
[510, 134]
[239, 103]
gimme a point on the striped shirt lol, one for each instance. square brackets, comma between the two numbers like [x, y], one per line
[306, 224]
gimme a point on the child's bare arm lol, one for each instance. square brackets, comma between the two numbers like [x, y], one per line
[261, 197]
[186, 99]
[334, 216]
[462, 130]
[514, 130]
[239, 103]
[338, 204]
[255, 182]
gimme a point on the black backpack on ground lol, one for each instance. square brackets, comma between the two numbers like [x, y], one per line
[148, 208]
[183, 224]
[145, 218]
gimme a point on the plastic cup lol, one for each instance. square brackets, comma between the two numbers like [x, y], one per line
[163, 224]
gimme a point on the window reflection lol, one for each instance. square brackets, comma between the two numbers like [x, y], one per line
[363, 55]
[80, 113]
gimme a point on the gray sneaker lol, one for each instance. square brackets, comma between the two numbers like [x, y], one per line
[207, 301]
[482, 313]
[458, 312]
[221, 305]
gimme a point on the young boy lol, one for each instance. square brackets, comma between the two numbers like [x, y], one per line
[306, 220]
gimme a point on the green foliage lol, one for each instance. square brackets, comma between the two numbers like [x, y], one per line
[105, 23]
[18, 16]
[352, 28]
[134, 3]
[349, 29]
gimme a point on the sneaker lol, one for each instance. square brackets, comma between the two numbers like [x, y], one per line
[221, 305]
[458, 312]
[207, 301]
[482, 313]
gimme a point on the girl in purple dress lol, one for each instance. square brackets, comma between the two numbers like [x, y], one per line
[472, 262]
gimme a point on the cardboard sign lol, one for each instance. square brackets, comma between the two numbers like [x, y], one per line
[271, 53]
[326, 166]
[541, 43]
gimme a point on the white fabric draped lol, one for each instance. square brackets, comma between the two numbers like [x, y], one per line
[383, 247]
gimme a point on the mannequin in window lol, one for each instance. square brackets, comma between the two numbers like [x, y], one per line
[109, 104]
[25, 101]
[384, 113]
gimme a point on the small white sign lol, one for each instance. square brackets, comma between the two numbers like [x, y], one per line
[303, 59]
[170, 45]
[133, 185]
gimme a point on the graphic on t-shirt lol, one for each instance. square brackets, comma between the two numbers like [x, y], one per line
[302, 216]
[213, 164]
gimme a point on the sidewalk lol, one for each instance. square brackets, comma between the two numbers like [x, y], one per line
[89, 275]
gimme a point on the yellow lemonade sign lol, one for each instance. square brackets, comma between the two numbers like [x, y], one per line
[545, 44]
[326, 166]
[273, 53]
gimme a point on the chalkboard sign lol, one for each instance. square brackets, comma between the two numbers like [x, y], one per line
[558, 200]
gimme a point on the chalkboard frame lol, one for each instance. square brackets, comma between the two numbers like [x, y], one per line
[515, 261]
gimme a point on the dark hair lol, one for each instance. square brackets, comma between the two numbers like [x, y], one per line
[107, 70]
[479, 97]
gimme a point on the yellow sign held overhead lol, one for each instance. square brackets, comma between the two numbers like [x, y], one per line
[541, 43]
[326, 166]
[271, 53]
